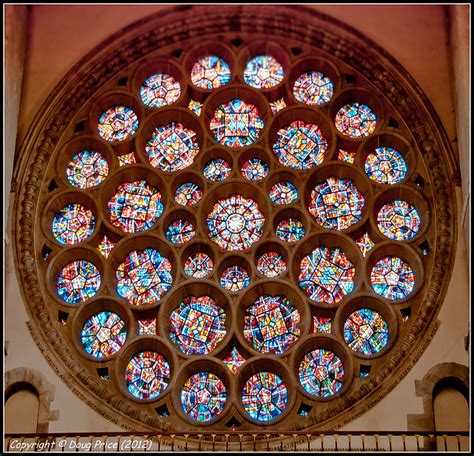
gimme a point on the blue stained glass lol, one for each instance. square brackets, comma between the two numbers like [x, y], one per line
[78, 281]
[263, 71]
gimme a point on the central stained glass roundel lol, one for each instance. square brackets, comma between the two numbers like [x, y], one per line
[271, 324]
[236, 124]
[197, 325]
[235, 223]
[203, 396]
[336, 204]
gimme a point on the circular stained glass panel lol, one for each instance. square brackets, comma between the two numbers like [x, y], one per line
[180, 231]
[210, 72]
[188, 194]
[263, 71]
[234, 278]
[236, 124]
[290, 230]
[271, 324]
[366, 332]
[172, 147]
[197, 325]
[147, 375]
[254, 169]
[203, 396]
[386, 166]
[271, 264]
[135, 206]
[355, 120]
[321, 373]
[73, 224]
[235, 223]
[198, 265]
[144, 277]
[103, 334]
[78, 281]
[336, 204]
[313, 88]
[264, 396]
[160, 90]
[87, 169]
[118, 123]
[283, 193]
[300, 145]
[392, 278]
[327, 275]
[217, 170]
[399, 220]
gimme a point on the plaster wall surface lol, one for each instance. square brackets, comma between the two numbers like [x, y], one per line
[415, 35]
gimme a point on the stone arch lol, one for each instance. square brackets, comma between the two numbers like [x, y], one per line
[26, 378]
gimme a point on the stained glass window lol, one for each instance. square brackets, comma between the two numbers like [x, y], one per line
[105, 246]
[78, 281]
[87, 169]
[127, 159]
[366, 332]
[210, 72]
[188, 194]
[135, 206]
[290, 230]
[234, 278]
[180, 231]
[103, 334]
[365, 244]
[160, 90]
[144, 277]
[346, 156]
[235, 223]
[277, 105]
[271, 264]
[217, 170]
[263, 71]
[321, 373]
[264, 396]
[254, 169]
[73, 224]
[300, 145]
[234, 360]
[172, 147]
[355, 120]
[197, 325]
[386, 166]
[236, 124]
[195, 106]
[283, 192]
[147, 327]
[392, 278]
[336, 204]
[147, 375]
[399, 220]
[326, 275]
[271, 324]
[322, 324]
[313, 88]
[198, 265]
[118, 123]
[203, 396]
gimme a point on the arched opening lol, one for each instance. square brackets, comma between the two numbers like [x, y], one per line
[21, 409]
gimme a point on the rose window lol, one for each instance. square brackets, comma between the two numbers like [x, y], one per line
[240, 234]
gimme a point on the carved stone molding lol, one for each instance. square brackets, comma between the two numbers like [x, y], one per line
[177, 25]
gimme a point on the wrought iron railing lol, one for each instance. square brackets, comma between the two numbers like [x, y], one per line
[235, 441]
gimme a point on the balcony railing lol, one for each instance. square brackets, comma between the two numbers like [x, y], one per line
[235, 441]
